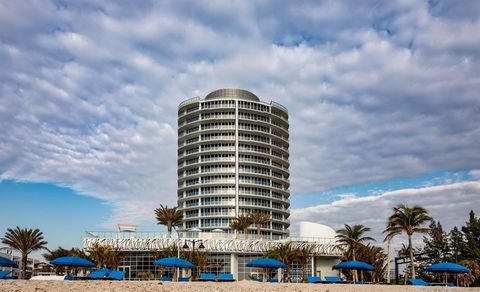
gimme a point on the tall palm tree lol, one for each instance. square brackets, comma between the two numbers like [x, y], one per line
[241, 223]
[259, 220]
[24, 240]
[408, 220]
[170, 217]
[350, 238]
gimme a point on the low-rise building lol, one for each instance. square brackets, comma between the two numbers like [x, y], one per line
[226, 253]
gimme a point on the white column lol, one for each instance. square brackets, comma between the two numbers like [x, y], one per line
[234, 265]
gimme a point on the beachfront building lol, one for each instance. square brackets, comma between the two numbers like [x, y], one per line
[226, 252]
[232, 160]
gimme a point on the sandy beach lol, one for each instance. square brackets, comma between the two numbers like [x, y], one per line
[241, 286]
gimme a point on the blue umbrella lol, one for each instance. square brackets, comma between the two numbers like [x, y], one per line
[72, 262]
[173, 262]
[266, 263]
[4, 262]
[447, 268]
[354, 265]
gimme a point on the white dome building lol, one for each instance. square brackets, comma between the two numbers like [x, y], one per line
[321, 266]
[310, 229]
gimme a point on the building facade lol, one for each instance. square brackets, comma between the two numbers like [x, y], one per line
[232, 160]
[226, 253]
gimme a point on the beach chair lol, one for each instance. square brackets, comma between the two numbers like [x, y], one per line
[3, 275]
[273, 280]
[116, 275]
[69, 278]
[225, 278]
[314, 280]
[166, 279]
[99, 274]
[207, 277]
[418, 282]
[184, 279]
[335, 280]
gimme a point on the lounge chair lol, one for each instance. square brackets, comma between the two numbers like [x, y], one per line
[166, 279]
[225, 278]
[3, 275]
[116, 275]
[70, 278]
[207, 277]
[421, 282]
[273, 280]
[335, 280]
[418, 282]
[99, 274]
[314, 279]
[183, 279]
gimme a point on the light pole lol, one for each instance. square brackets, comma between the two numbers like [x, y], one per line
[193, 241]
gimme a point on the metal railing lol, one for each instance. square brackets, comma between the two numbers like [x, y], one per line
[202, 235]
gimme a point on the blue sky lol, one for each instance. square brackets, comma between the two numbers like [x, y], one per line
[383, 101]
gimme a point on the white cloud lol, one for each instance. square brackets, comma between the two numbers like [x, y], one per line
[89, 91]
[448, 204]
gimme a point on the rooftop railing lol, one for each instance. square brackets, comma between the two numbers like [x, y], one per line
[190, 100]
[200, 235]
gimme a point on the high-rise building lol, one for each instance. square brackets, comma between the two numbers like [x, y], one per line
[233, 159]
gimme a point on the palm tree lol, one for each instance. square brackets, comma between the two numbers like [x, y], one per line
[259, 220]
[24, 240]
[170, 217]
[302, 254]
[56, 253]
[350, 238]
[407, 220]
[285, 253]
[375, 256]
[241, 223]
[101, 255]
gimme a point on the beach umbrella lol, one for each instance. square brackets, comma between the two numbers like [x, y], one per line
[266, 263]
[72, 261]
[4, 262]
[354, 265]
[173, 262]
[447, 268]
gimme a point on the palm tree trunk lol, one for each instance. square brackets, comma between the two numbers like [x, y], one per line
[355, 276]
[258, 232]
[24, 265]
[411, 255]
[388, 260]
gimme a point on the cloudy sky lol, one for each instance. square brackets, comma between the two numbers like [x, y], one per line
[383, 96]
